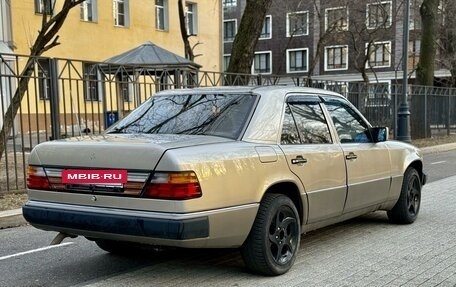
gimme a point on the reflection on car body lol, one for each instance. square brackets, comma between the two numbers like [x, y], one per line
[247, 167]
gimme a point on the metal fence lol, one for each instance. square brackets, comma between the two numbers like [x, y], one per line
[66, 98]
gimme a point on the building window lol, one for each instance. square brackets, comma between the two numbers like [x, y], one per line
[262, 63]
[415, 17]
[297, 24]
[229, 3]
[161, 15]
[379, 15]
[121, 9]
[229, 30]
[226, 62]
[44, 6]
[91, 82]
[191, 18]
[266, 31]
[336, 58]
[44, 79]
[414, 54]
[379, 55]
[297, 60]
[336, 19]
[89, 10]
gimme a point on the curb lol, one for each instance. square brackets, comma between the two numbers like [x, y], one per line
[11, 218]
[438, 148]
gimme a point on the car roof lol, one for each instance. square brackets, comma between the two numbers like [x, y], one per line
[266, 90]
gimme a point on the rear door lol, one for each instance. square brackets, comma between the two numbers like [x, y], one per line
[368, 163]
[314, 157]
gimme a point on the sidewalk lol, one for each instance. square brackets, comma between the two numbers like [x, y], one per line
[12, 218]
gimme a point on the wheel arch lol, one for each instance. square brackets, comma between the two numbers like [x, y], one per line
[418, 166]
[291, 190]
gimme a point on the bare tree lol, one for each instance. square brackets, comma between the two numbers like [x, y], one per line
[46, 39]
[244, 43]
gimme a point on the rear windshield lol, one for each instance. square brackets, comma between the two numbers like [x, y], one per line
[223, 115]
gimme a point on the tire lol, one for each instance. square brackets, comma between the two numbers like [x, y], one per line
[407, 207]
[273, 242]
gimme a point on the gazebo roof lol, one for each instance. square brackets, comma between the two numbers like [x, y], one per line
[151, 55]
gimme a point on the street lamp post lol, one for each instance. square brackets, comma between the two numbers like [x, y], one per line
[403, 113]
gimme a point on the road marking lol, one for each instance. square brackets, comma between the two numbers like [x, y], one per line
[35, 250]
[439, 162]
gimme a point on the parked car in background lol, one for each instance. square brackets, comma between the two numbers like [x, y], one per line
[247, 167]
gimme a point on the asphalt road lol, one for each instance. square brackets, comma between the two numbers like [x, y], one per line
[440, 165]
[369, 247]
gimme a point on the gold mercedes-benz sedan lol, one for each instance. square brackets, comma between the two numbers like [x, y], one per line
[248, 167]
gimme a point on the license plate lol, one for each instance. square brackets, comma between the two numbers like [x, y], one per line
[95, 176]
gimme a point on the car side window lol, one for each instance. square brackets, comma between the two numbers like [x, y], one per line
[350, 127]
[305, 119]
[290, 133]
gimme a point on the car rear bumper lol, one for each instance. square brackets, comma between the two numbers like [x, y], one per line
[226, 227]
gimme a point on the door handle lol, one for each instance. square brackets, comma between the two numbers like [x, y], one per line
[351, 156]
[299, 160]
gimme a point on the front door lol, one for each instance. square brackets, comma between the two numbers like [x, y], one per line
[368, 163]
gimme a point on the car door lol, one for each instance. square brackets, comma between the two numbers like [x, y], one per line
[314, 157]
[368, 163]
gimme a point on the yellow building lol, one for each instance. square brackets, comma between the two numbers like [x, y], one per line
[100, 29]
[95, 31]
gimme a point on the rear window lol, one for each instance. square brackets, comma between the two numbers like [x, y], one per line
[223, 115]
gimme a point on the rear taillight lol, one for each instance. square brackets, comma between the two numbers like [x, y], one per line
[177, 186]
[36, 178]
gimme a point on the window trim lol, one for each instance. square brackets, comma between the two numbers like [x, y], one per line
[223, 65]
[288, 60]
[44, 79]
[368, 65]
[89, 67]
[39, 7]
[270, 28]
[390, 14]
[288, 24]
[270, 62]
[94, 8]
[165, 9]
[232, 3]
[326, 58]
[337, 8]
[194, 16]
[235, 29]
[126, 14]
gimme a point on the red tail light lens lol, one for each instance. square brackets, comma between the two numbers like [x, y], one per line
[175, 186]
[36, 178]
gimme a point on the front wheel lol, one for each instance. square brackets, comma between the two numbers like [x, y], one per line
[273, 242]
[408, 205]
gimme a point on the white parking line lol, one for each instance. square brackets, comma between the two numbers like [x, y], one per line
[439, 162]
[35, 250]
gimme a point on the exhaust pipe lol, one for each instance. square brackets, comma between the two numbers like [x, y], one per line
[60, 237]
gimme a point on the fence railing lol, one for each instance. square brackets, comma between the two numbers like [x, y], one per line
[66, 98]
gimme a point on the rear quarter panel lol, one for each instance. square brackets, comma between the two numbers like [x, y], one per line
[230, 174]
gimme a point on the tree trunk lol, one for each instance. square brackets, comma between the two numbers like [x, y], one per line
[244, 43]
[425, 68]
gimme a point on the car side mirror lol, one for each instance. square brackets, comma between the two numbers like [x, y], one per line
[379, 134]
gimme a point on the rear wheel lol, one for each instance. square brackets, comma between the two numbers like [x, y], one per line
[408, 205]
[273, 242]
